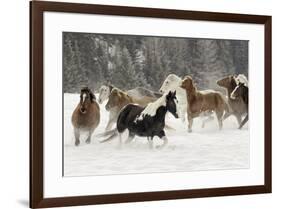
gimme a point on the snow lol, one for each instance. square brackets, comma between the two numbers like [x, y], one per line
[203, 149]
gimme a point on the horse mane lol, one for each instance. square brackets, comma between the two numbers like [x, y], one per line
[241, 78]
[111, 87]
[88, 90]
[152, 107]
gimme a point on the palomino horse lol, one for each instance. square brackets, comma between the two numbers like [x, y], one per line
[237, 105]
[118, 99]
[146, 122]
[137, 92]
[203, 101]
[242, 91]
[139, 95]
[86, 116]
[173, 83]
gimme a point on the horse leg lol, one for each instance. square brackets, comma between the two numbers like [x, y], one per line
[244, 121]
[111, 121]
[239, 119]
[182, 115]
[208, 119]
[77, 136]
[164, 138]
[226, 115]
[88, 140]
[220, 118]
[190, 122]
[130, 138]
[150, 142]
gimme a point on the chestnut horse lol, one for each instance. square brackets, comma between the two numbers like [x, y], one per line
[86, 116]
[203, 101]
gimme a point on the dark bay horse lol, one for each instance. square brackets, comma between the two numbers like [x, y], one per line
[86, 116]
[237, 105]
[146, 122]
[242, 90]
[200, 102]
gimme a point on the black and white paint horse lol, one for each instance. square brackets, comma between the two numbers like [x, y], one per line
[146, 122]
[242, 90]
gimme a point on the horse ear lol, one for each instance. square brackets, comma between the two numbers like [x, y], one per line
[174, 93]
[92, 96]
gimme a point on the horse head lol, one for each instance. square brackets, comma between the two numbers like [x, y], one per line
[171, 103]
[228, 82]
[171, 82]
[188, 84]
[115, 98]
[104, 93]
[86, 98]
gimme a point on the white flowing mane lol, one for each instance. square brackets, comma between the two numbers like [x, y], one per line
[152, 107]
[241, 78]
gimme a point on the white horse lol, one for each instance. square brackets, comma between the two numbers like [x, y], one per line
[172, 83]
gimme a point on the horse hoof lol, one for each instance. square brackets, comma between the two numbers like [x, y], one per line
[88, 141]
[77, 143]
[189, 130]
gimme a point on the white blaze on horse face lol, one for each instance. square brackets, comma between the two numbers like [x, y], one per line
[84, 98]
[170, 83]
[104, 93]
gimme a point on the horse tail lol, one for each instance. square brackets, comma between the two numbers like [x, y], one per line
[107, 133]
[113, 135]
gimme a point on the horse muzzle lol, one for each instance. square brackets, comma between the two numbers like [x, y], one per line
[83, 110]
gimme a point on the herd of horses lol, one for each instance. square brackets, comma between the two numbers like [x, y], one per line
[142, 112]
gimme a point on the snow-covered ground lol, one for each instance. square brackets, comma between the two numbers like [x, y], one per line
[203, 149]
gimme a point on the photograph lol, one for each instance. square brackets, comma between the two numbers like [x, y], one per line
[153, 104]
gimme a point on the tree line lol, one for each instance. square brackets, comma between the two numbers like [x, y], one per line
[129, 61]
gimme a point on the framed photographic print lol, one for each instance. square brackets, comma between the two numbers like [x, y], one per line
[139, 104]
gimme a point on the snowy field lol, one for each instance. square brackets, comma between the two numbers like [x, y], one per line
[203, 149]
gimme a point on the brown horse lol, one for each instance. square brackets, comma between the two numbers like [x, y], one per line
[118, 99]
[200, 102]
[237, 105]
[86, 116]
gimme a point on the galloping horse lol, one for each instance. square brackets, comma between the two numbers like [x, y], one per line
[242, 91]
[237, 105]
[203, 101]
[137, 92]
[173, 83]
[146, 122]
[86, 116]
[117, 100]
